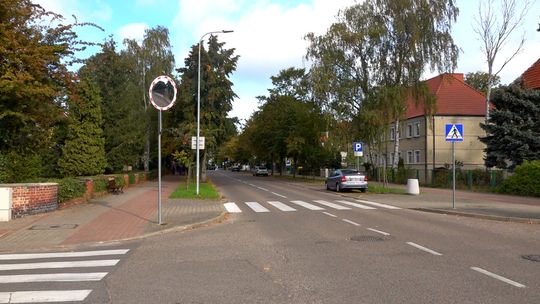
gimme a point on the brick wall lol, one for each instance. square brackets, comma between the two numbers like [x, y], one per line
[33, 198]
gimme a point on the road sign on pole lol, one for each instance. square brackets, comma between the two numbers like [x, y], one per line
[453, 132]
[358, 148]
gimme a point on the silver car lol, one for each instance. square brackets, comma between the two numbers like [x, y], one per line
[343, 179]
[260, 171]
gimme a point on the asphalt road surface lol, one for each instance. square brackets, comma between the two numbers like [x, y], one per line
[289, 243]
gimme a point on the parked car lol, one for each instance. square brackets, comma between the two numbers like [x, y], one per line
[260, 171]
[235, 168]
[343, 179]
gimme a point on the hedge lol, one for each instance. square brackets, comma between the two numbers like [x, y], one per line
[525, 181]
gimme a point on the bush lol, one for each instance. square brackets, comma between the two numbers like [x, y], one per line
[131, 178]
[100, 184]
[17, 168]
[70, 188]
[525, 181]
[119, 179]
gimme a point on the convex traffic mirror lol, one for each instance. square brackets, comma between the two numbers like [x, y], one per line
[162, 93]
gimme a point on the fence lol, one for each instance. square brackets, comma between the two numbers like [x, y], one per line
[442, 177]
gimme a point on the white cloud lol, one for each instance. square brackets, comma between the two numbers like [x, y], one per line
[132, 31]
[86, 11]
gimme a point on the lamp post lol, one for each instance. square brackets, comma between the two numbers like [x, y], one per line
[199, 103]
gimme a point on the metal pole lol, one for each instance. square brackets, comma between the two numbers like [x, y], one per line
[453, 176]
[159, 169]
[199, 105]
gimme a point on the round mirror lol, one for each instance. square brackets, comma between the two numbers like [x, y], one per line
[162, 93]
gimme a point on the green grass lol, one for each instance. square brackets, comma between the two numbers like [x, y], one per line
[382, 190]
[206, 191]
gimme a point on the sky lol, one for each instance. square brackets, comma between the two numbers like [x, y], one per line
[269, 34]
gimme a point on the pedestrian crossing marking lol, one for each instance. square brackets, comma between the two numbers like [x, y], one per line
[281, 206]
[257, 207]
[47, 265]
[378, 204]
[43, 296]
[356, 205]
[48, 255]
[232, 208]
[53, 277]
[307, 205]
[332, 205]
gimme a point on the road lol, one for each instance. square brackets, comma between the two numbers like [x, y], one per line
[297, 243]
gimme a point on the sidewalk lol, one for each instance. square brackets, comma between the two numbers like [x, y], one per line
[468, 203]
[130, 215]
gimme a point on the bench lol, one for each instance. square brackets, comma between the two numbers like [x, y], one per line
[112, 187]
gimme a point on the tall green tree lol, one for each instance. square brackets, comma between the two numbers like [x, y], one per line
[120, 104]
[513, 129]
[36, 48]
[152, 58]
[217, 65]
[84, 149]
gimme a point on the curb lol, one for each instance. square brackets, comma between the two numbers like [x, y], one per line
[482, 216]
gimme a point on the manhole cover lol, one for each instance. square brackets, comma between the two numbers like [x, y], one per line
[54, 227]
[366, 238]
[532, 257]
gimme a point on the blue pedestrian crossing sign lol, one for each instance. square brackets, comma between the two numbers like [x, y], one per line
[454, 132]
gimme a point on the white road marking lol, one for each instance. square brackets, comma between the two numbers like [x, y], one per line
[47, 255]
[378, 231]
[263, 189]
[46, 265]
[332, 205]
[498, 277]
[53, 277]
[350, 222]
[281, 206]
[307, 205]
[330, 214]
[356, 205]
[424, 248]
[277, 194]
[256, 207]
[252, 185]
[232, 208]
[45, 296]
[378, 204]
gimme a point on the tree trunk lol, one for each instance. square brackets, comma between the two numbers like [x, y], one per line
[203, 167]
[395, 160]
[146, 156]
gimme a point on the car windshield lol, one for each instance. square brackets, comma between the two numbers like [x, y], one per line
[262, 168]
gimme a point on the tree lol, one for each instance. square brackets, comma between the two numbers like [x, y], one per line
[479, 81]
[120, 105]
[84, 149]
[152, 58]
[494, 31]
[513, 129]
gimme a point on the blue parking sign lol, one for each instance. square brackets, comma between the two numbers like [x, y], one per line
[357, 146]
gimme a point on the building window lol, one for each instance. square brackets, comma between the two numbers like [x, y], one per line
[383, 159]
[409, 130]
[410, 158]
[417, 156]
[392, 133]
[417, 129]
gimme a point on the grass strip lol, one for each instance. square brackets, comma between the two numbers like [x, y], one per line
[206, 191]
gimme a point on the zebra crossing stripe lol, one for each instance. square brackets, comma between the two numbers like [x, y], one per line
[356, 205]
[307, 205]
[332, 205]
[46, 265]
[256, 207]
[44, 296]
[27, 256]
[377, 204]
[53, 277]
[232, 208]
[281, 206]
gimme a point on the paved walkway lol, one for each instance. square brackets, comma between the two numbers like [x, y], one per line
[130, 215]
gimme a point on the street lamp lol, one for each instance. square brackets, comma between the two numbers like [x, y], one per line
[199, 102]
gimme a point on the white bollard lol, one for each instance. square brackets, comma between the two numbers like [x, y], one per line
[412, 186]
[5, 204]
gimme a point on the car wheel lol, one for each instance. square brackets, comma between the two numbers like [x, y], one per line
[327, 187]
[338, 189]
[363, 190]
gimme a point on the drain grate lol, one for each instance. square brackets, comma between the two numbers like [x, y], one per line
[53, 227]
[532, 257]
[366, 238]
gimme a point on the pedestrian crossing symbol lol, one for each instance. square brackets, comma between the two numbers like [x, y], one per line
[454, 132]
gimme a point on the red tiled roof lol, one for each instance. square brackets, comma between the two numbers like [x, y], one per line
[454, 97]
[531, 77]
